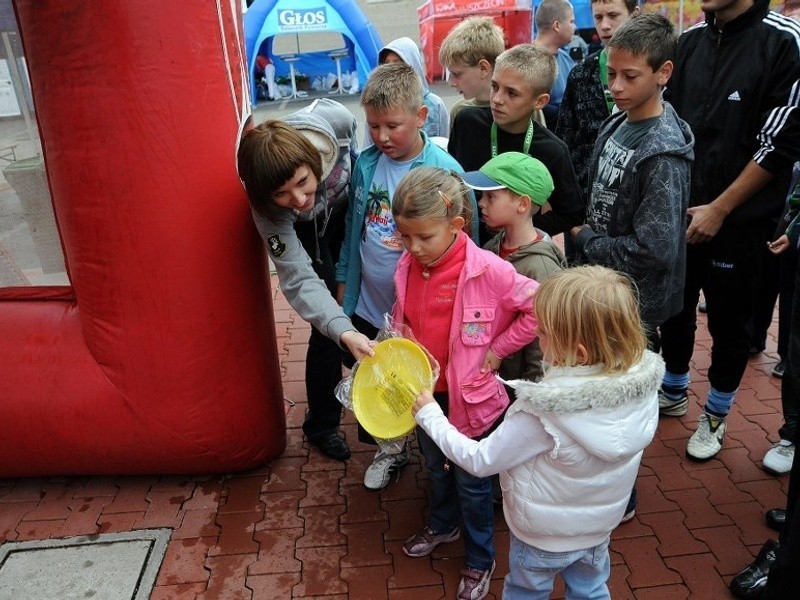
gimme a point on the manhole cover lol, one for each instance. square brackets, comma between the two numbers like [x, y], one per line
[110, 566]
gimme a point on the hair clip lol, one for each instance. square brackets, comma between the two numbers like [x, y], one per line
[447, 202]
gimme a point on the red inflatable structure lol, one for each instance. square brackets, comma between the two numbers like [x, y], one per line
[161, 356]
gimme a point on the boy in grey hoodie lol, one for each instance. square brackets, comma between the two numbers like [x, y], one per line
[639, 174]
[297, 173]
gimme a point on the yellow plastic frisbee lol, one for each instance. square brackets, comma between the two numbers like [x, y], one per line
[386, 385]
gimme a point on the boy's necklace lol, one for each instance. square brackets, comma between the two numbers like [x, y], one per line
[526, 145]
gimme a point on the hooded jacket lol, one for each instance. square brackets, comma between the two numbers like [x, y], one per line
[348, 269]
[538, 261]
[438, 121]
[572, 497]
[583, 111]
[737, 88]
[331, 127]
[493, 310]
[646, 234]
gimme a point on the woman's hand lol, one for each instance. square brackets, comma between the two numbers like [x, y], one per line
[425, 397]
[358, 344]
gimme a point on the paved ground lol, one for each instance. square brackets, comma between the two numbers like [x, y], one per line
[303, 526]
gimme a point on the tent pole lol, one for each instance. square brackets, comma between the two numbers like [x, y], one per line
[19, 90]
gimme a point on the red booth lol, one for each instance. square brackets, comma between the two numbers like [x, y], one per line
[438, 17]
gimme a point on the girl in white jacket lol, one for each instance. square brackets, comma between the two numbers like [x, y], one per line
[569, 448]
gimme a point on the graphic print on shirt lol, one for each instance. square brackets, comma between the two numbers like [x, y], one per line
[380, 226]
[610, 167]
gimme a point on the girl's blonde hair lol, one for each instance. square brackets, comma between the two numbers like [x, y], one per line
[596, 307]
[432, 193]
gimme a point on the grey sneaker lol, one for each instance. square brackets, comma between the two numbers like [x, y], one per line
[706, 442]
[384, 465]
[474, 584]
[778, 459]
[425, 541]
[672, 408]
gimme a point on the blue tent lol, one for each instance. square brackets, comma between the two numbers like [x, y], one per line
[267, 18]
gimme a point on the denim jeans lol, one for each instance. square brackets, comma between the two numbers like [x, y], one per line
[532, 572]
[455, 496]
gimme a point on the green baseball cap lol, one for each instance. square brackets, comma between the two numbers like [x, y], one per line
[520, 173]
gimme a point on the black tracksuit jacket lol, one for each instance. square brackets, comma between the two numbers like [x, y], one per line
[738, 88]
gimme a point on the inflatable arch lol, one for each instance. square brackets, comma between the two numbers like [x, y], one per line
[160, 357]
[267, 18]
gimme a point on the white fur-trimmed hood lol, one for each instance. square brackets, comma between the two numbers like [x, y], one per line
[612, 417]
[574, 389]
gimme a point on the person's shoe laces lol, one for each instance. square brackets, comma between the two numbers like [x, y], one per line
[384, 465]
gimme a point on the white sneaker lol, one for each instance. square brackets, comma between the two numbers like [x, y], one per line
[707, 440]
[778, 459]
[672, 408]
[379, 473]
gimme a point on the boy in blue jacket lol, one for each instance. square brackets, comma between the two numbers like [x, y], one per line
[395, 115]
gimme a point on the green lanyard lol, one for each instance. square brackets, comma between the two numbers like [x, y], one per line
[526, 145]
[604, 79]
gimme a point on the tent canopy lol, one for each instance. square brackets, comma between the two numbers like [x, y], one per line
[266, 19]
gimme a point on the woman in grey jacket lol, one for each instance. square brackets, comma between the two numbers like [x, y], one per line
[296, 173]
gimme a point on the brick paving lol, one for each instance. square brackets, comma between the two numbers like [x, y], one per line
[303, 526]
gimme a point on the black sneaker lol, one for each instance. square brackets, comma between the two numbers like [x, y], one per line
[776, 518]
[779, 369]
[752, 581]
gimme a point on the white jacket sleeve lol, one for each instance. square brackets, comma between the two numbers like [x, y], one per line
[519, 438]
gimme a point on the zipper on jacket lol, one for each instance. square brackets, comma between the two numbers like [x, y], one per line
[713, 77]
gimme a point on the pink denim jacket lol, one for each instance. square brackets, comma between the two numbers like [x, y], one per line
[493, 309]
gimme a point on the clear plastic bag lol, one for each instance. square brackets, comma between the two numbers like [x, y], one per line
[381, 397]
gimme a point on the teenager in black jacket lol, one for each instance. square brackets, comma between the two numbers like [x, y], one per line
[736, 84]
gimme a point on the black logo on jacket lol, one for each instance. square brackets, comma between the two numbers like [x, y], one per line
[276, 246]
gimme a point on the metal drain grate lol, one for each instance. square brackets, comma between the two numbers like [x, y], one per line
[109, 566]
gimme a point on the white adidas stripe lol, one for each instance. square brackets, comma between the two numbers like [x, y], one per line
[786, 24]
[779, 115]
[775, 121]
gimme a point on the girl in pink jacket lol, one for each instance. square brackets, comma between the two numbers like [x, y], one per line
[470, 309]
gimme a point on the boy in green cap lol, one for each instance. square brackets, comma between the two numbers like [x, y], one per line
[515, 186]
